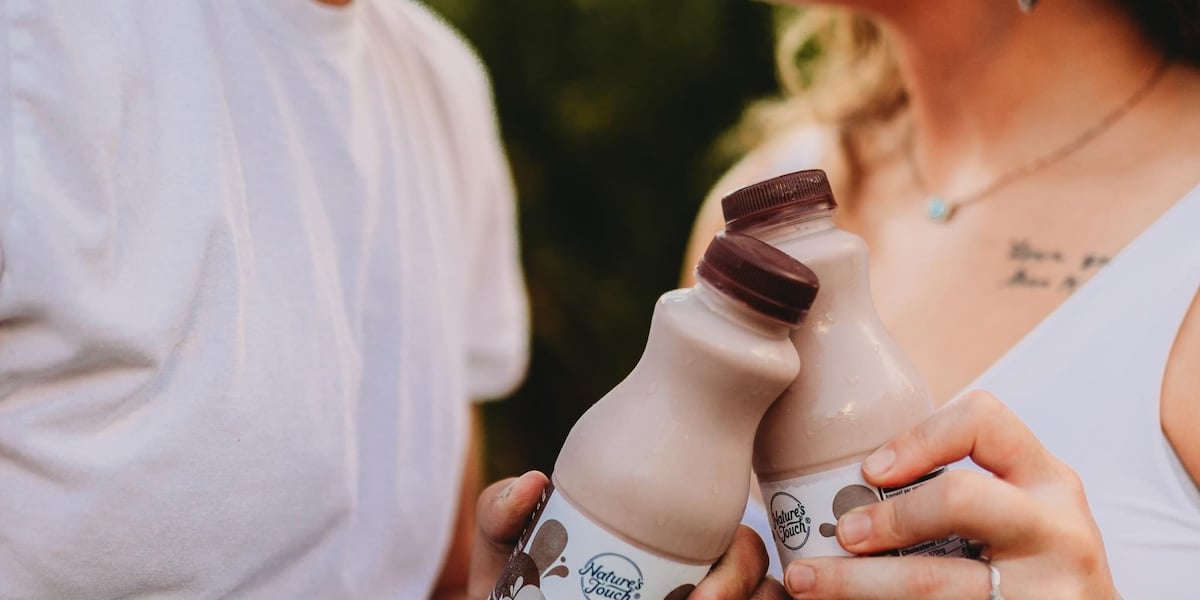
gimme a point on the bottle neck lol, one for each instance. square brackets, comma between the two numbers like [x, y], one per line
[837, 257]
[787, 224]
[732, 309]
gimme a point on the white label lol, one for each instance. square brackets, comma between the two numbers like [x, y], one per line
[804, 513]
[562, 554]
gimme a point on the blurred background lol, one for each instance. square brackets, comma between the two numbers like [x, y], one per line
[612, 113]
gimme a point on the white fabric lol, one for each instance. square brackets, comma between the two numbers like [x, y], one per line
[256, 258]
[1088, 383]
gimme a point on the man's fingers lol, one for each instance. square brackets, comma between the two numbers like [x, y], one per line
[928, 578]
[769, 589]
[975, 425]
[502, 512]
[969, 504]
[504, 507]
[739, 572]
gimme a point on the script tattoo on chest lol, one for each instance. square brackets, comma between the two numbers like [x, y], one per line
[1047, 268]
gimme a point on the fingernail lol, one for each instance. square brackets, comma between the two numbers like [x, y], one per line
[800, 579]
[880, 461]
[854, 527]
[507, 490]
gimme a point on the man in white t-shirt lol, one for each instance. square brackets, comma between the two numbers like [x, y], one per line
[256, 258]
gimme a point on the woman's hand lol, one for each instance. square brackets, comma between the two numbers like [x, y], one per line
[1032, 518]
[504, 509]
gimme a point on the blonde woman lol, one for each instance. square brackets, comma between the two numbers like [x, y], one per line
[1026, 179]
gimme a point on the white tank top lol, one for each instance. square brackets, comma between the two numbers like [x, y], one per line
[1088, 381]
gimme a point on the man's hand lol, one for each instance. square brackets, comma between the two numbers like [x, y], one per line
[741, 573]
[503, 512]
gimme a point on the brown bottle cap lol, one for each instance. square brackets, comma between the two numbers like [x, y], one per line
[757, 274]
[753, 204]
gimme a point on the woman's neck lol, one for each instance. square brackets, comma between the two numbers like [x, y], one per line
[991, 87]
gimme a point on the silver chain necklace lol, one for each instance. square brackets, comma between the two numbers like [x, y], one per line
[940, 208]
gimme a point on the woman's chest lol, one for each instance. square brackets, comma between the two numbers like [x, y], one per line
[958, 295]
[956, 304]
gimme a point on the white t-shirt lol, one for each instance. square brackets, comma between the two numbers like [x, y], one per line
[256, 258]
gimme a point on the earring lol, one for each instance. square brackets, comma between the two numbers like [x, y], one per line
[1026, 6]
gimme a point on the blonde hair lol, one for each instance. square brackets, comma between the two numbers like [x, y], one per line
[838, 71]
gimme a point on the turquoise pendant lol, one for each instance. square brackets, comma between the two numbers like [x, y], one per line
[938, 209]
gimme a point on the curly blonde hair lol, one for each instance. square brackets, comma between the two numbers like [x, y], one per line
[839, 71]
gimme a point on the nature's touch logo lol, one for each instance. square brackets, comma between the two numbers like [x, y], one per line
[610, 576]
[790, 521]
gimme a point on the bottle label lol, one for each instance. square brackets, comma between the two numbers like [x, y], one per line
[804, 513]
[563, 554]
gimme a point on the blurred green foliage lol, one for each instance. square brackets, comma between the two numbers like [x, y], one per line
[610, 110]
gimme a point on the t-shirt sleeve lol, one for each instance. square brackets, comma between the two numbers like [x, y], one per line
[496, 303]
[498, 313]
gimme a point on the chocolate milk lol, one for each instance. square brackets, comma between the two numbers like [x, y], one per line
[857, 390]
[651, 482]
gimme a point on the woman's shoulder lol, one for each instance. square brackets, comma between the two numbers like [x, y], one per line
[793, 149]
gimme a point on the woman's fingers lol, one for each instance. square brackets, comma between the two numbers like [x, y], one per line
[888, 578]
[739, 572]
[975, 425]
[1032, 516]
[501, 514]
[965, 503]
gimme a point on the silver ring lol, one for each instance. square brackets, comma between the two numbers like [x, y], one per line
[994, 572]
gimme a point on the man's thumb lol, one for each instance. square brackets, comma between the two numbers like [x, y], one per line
[501, 514]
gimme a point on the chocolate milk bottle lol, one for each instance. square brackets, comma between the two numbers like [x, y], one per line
[857, 389]
[651, 482]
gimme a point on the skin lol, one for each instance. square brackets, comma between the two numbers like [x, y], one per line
[455, 577]
[972, 69]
